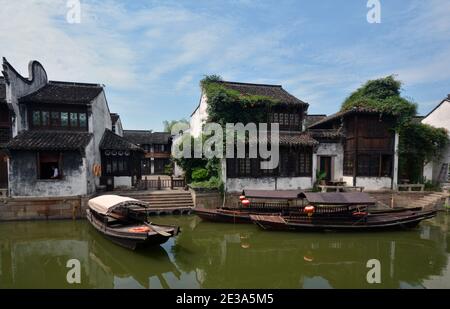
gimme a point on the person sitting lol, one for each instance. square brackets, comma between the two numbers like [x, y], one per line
[55, 173]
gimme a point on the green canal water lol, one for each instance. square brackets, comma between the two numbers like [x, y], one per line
[209, 255]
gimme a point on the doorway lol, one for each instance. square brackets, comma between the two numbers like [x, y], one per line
[325, 167]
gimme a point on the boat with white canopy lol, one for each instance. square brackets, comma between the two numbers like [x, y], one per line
[123, 220]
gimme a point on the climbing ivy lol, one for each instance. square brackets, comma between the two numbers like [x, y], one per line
[230, 106]
[382, 94]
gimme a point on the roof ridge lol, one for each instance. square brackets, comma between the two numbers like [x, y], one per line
[251, 84]
[66, 83]
[146, 131]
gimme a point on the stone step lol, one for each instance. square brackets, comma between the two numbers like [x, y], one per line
[172, 205]
[170, 202]
[148, 197]
[165, 197]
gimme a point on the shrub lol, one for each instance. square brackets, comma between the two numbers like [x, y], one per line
[199, 174]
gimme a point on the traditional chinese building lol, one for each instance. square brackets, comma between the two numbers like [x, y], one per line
[59, 130]
[157, 147]
[5, 136]
[357, 147]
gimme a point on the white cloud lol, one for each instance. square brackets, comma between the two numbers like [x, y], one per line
[146, 54]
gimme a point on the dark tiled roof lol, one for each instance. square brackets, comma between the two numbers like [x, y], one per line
[289, 139]
[356, 110]
[142, 137]
[114, 118]
[112, 141]
[50, 140]
[272, 91]
[64, 92]
[311, 119]
[417, 119]
[326, 134]
[297, 139]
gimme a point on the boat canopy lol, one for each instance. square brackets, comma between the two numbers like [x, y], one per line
[337, 198]
[104, 204]
[273, 194]
[315, 198]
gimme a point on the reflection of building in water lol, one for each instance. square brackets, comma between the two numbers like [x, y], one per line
[40, 262]
[285, 260]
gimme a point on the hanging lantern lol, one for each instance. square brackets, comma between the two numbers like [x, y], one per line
[245, 203]
[309, 210]
[242, 197]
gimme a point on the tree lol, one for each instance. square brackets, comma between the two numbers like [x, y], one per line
[419, 143]
[168, 124]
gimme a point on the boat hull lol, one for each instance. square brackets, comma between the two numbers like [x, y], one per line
[227, 215]
[376, 222]
[129, 240]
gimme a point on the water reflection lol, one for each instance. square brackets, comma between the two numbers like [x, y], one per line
[207, 255]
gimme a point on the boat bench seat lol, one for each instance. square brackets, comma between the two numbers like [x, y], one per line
[113, 217]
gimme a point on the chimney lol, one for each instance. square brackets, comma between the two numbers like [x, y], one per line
[448, 96]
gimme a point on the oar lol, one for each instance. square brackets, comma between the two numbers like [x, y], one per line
[160, 232]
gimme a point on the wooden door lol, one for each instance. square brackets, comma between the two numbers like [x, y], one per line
[325, 166]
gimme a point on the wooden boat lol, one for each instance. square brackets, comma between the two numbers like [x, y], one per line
[228, 215]
[380, 220]
[280, 203]
[123, 220]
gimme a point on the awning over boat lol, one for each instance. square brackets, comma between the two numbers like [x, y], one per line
[104, 204]
[338, 198]
[319, 198]
[273, 194]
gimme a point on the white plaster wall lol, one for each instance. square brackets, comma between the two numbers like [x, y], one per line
[268, 183]
[122, 181]
[439, 118]
[89, 162]
[71, 185]
[374, 183]
[199, 117]
[395, 174]
[369, 183]
[428, 171]
[336, 152]
[99, 120]
[348, 180]
[119, 128]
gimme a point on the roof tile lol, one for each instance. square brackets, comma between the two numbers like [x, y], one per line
[50, 140]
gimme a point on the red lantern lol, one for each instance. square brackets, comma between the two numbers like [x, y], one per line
[245, 203]
[242, 197]
[359, 214]
[309, 210]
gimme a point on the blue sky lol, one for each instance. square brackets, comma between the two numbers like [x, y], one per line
[152, 54]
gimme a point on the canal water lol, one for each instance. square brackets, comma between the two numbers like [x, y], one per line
[209, 255]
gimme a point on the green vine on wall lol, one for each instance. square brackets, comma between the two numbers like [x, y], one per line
[226, 105]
